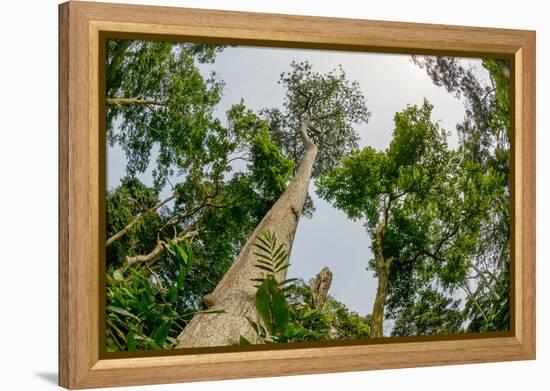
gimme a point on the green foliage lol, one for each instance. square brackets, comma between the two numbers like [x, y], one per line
[272, 257]
[334, 320]
[269, 169]
[447, 210]
[485, 139]
[366, 180]
[330, 101]
[286, 309]
[487, 312]
[225, 208]
[436, 202]
[145, 310]
[128, 200]
[179, 122]
[272, 306]
[430, 313]
[171, 115]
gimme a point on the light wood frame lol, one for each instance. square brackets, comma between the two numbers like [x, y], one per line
[80, 23]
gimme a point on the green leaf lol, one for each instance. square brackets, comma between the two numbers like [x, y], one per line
[181, 277]
[283, 267]
[173, 293]
[130, 340]
[264, 241]
[264, 262]
[265, 249]
[189, 255]
[266, 268]
[257, 327]
[272, 306]
[173, 341]
[279, 263]
[309, 313]
[161, 333]
[244, 341]
[121, 311]
[267, 258]
[280, 254]
[117, 275]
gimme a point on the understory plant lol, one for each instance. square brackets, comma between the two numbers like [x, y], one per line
[144, 308]
[286, 309]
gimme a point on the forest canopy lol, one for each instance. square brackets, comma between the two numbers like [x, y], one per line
[202, 221]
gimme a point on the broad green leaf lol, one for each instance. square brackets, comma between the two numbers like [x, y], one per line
[181, 252]
[161, 333]
[257, 327]
[272, 306]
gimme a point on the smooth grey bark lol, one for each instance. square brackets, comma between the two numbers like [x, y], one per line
[235, 293]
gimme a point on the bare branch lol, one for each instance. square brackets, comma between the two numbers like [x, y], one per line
[466, 289]
[484, 278]
[160, 248]
[137, 219]
[133, 101]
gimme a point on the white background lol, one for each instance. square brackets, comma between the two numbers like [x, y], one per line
[28, 195]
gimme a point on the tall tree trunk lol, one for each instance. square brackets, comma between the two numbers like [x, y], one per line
[383, 270]
[234, 294]
[377, 316]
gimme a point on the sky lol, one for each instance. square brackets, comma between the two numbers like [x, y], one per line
[389, 83]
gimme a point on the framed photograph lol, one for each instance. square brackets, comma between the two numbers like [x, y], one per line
[247, 195]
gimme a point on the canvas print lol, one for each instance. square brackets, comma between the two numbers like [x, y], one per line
[261, 195]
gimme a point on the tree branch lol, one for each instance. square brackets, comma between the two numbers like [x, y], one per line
[303, 134]
[466, 289]
[482, 275]
[160, 248]
[133, 101]
[383, 264]
[202, 205]
[137, 219]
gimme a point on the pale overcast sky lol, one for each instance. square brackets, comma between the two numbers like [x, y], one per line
[389, 82]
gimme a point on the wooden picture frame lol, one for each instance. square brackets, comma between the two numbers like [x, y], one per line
[81, 162]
